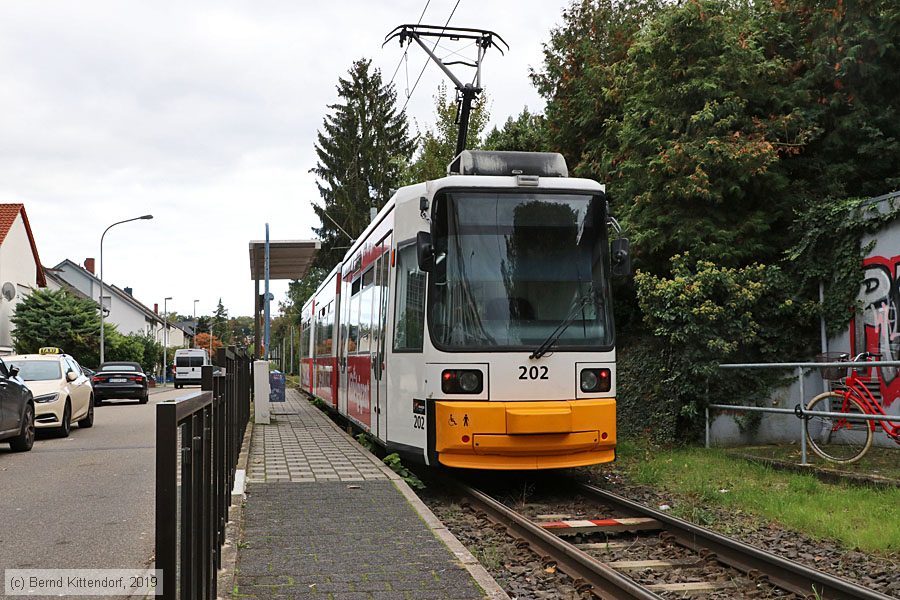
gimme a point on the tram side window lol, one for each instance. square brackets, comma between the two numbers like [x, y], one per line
[353, 318]
[329, 329]
[365, 311]
[304, 339]
[323, 333]
[410, 308]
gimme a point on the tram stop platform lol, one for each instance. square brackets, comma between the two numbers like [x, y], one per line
[324, 518]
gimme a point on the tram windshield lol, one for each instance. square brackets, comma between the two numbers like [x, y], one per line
[509, 267]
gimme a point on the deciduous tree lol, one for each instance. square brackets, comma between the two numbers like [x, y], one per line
[437, 146]
[208, 342]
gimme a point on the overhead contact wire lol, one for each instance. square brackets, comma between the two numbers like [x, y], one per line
[402, 58]
[427, 60]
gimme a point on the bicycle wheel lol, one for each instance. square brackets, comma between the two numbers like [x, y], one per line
[836, 439]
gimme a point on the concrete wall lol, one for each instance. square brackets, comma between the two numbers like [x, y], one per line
[875, 328]
[17, 265]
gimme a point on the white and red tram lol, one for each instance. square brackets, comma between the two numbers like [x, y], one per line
[470, 325]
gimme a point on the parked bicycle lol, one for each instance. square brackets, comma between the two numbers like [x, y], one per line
[846, 440]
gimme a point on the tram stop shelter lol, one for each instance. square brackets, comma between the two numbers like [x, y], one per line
[288, 259]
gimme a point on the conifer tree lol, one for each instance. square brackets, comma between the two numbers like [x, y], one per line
[363, 149]
[59, 318]
[220, 322]
[525, 133]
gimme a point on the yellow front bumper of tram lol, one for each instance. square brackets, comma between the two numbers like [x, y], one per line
[525, 435]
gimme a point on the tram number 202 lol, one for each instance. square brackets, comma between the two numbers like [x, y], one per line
[533, 372]
[418, 422]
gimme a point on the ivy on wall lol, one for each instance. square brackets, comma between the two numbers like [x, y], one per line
[830, 249]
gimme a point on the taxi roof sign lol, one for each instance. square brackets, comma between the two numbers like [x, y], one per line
[49, 350]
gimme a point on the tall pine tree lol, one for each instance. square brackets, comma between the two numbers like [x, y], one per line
[363, 149]
[220, 323]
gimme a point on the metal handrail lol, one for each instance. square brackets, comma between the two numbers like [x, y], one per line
[812, 365]
[798, 410]
[802, 413]
[209, 427]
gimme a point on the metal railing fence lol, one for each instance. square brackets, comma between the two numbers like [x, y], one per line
[799, 410]
[198, 441]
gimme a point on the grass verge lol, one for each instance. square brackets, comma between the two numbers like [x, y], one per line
[859, 517]
[879, 462]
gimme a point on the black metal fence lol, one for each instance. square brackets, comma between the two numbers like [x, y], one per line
[198, 442]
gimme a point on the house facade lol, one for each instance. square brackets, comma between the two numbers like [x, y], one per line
[20, 268]
[124, 311]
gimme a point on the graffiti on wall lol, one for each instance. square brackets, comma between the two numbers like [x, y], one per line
[877, 327]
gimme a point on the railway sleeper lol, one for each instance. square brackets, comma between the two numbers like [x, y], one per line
[692, 586]
[615, 545]
[636, 565]
[577, 527]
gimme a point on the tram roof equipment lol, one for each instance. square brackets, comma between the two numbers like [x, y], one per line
[484, 162]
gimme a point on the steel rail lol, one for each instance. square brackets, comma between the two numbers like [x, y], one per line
[604, 582]
[778, 571]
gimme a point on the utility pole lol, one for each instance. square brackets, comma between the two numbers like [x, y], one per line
[292, 349]
[465, 92]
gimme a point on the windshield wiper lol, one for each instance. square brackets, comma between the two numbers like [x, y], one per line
[580, 303]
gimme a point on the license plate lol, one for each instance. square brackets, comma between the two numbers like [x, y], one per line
[118, 380]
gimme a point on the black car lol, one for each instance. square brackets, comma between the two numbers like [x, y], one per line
[16, 410]
[120, 380]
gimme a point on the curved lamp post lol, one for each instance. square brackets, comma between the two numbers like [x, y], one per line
[165, 339]
[102, 333]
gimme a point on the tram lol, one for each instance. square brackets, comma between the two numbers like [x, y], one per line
[471, 323]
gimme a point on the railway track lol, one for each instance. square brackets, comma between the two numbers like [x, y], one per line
[697, 550]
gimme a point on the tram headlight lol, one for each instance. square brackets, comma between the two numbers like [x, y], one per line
[596, 380]
[462, 381]
[470, 381]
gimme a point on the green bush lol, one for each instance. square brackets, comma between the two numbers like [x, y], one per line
[701, 316]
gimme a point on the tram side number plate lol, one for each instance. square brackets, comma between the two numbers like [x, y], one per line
[418, 414]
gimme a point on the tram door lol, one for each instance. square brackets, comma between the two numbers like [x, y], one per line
[379, 320]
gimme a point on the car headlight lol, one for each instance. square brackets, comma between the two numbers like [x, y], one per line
[596, 380]
[47, 398]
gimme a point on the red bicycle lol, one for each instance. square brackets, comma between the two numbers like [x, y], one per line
[846, 440]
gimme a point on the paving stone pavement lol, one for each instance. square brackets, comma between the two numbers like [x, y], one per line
[322, 520]
[344, 541]
[302, 445]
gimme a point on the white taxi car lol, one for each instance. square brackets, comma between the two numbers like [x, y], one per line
[62, 392]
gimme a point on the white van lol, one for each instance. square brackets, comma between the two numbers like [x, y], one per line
[188, 363]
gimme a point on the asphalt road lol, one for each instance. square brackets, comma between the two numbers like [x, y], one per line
[85, 501]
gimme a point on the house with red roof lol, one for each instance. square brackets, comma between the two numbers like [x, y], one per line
[20, 267]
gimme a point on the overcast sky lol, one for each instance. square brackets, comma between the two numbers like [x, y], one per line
[204, 113]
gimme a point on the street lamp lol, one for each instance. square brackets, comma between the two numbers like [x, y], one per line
[195, 324]
[102, 333]
[165, 337]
